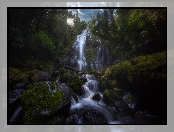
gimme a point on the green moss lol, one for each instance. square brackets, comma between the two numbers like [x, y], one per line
[40, 65]
[38, 98]
[117, 91]
[140, 69]
[74, 82]
[109, 96]
[63, 70]
[16, 76]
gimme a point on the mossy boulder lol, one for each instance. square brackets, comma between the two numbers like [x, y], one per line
[17, 76]
[40, 101]
[41, 76]
[140, 70]
[109, 96]
[147, 77]
[74, 82]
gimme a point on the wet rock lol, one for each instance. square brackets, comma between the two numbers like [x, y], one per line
[91, 117]
[130, 100]
[72, 119]
[75, 97]
[80, 73]
[54, 74]
[21, 85]
[83, 78]
[14, 95]
[41, 76]
[120, 106]
[90, 77]
[96, 97]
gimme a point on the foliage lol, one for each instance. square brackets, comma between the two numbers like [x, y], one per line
[130, 32]
[41, 34]
[38, 98]
[44, 40]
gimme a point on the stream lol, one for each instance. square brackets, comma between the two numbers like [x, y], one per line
[91, 111]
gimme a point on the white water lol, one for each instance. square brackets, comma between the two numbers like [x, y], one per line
[79, 44]
[15, 114]
[85, 101]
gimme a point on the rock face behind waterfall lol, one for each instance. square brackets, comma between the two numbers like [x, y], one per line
[87, 53]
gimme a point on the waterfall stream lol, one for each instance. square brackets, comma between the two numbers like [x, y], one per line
[86, 109]
[86, 103]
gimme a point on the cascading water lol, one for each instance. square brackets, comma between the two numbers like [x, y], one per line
[76, 57]
[86, 104]
[81, 39]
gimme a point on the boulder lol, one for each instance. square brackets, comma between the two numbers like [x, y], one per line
[72, 119]
[91, 117]
[14, 95]
[130, 100]
[96, 97]
[40, 104]
[110, 96]
[74, 82]
[20, 85]
[41, 76]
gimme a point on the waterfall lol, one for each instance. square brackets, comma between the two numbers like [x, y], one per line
[76, 55]
[81, 39]
[86, 103]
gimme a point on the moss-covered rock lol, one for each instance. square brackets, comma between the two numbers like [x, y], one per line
[139, 70]
[17, 76]
[39, 102]
[109, 96]
[147, 77]
[74, 82]
[41, 76]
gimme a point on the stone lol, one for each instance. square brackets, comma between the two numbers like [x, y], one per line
[91, 117]
[41, 76]
[96, 97]
[20, 85]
